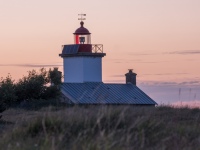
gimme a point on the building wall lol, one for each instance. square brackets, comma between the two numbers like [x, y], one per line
[82, 69]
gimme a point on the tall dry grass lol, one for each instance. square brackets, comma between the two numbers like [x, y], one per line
[101, 127]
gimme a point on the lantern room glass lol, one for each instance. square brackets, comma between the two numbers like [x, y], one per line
[82, 39]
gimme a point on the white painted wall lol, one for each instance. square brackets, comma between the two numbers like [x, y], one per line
[82, 69]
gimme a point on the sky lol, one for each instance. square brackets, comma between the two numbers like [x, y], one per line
[160, 40]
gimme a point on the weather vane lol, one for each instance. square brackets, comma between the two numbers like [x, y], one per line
[82, 18]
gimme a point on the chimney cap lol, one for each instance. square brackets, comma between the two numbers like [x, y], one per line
[130, 70]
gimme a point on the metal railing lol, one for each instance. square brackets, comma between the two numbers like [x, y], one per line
[97, 48]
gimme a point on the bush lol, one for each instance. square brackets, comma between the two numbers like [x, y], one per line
[37, 85]
[54, 76]
[2, 106]
[33, 86]
[7, 92]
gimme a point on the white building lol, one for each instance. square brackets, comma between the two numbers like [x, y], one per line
[82, 63]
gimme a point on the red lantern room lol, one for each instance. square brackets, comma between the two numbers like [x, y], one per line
[82, 43]
[82, 35]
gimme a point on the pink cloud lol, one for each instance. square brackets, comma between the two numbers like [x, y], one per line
[190, 104]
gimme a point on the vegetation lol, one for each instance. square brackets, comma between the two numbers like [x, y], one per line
[37, 85]
[7, 92]
[93, 127]
[101, 127]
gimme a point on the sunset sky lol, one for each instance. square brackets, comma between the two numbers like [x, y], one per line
[159, 39]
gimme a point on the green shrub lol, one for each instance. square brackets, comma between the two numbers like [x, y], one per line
[55, 76]
[36, 85]
[7, 92]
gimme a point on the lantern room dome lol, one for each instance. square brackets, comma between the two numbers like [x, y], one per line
[82, 30]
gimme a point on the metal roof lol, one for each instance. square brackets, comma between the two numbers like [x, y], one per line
[105, 93]
[82, 50]
[82, 30]
[70, 49]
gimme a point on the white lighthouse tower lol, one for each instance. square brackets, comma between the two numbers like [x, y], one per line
[82, 61]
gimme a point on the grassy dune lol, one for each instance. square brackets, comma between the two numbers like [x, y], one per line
[100, 128]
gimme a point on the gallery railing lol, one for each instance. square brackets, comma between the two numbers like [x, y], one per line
[97, 48]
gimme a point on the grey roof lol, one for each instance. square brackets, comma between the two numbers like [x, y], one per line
[105, 93]
[73, 50]
[70, 49]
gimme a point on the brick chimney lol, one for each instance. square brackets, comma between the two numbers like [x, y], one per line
[131, 77]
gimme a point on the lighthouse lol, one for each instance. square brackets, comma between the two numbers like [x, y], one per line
[82, 65]
[82, 61]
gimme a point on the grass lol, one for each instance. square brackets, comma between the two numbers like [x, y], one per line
[100, 127]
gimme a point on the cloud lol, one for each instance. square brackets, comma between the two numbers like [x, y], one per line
[157, 83]
[190, 104]
[164, 74]
[180, 52]
[128, 60]
[31, 65]
[185, 84]
[142, 54]
[118, 62]
[39, 65]
[169, 92]
[195, 82]
[190, 83]
[122, 60]
[150, 62]
[114, 81]
[185, 52]
[118, 76]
